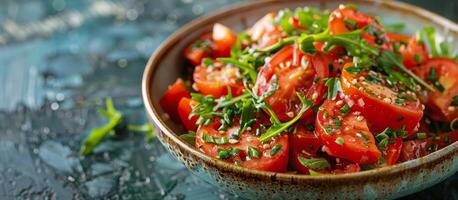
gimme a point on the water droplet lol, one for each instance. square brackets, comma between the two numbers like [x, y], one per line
[132, 14]
[71, 179]
[54, 106]
[197, 9]
[60, 96]
[122, 63]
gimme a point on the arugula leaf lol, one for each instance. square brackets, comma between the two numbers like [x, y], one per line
[247, 68]
[277, 128]
[98, 134]
[394, 27]
[333, 87]
[246, 118]
[388, 58]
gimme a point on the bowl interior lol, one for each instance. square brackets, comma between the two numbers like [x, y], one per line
[168, 60]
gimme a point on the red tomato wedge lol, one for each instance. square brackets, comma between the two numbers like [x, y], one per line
[184, 111]
[346, 19]
[265, 32]
[438, 103]
[377, 101]
[216, 79]
[266, 161]
[302, 140]
[169, 102]
[413, 149]
[393, 151]
[223, 38]
[345, 133]
[199, 49]
[290, 71]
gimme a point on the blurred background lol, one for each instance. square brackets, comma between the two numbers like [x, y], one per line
[59, 59]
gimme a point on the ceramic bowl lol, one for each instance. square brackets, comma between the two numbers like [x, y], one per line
[395, 181]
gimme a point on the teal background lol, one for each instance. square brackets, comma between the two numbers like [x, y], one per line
[58, 60]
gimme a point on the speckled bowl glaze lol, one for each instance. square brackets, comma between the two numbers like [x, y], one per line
[384, 183]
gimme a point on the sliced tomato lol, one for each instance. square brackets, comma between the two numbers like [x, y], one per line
[345, 135]
[377, 101]
[265, 32]
[413, 53]
[199, 49]
[267, 161]
[302, 140]
[216, 79]
[185, 110]
[291, 71]
[392, 151]
[413, 149]
[438, 103]
[347, 19]
[223, 38]
[169, 102]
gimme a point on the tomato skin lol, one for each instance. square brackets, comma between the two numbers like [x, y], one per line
[184, 110]
[169, 102]
[393, 151]
[376, 108]
[438, 104]
[216, 79]
[299, 141]
[358, 149]
[337, 25]
[413, 149]
[266, 162]
[223, 38]
[285, 70]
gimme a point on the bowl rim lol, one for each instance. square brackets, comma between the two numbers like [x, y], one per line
[154, 115]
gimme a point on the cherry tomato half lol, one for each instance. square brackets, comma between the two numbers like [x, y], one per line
[265, 32]
[223, 38]
[443, 71]
[345, 133]
[169, 102]
[185, 110]
[290, 71]
[413, 149]
[216, 79]
[376, 100]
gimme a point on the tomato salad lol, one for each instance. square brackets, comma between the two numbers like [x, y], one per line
[317, 92]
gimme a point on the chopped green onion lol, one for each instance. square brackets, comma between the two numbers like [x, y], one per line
[253, 152]
[345, 109]
[275, 149]
[422, 135]
[340, 141]
[224, 153]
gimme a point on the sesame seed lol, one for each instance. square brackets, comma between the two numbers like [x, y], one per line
[340, 102]
[357, 113]
[290, 114]
[248, 129]
[360, 118]
[314, 95]
[451, 108]
[288, 64]
[354, 81]
[361, 78]
[233, 141]
[282, 65]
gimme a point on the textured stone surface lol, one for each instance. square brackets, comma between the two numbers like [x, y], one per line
[58, 60]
